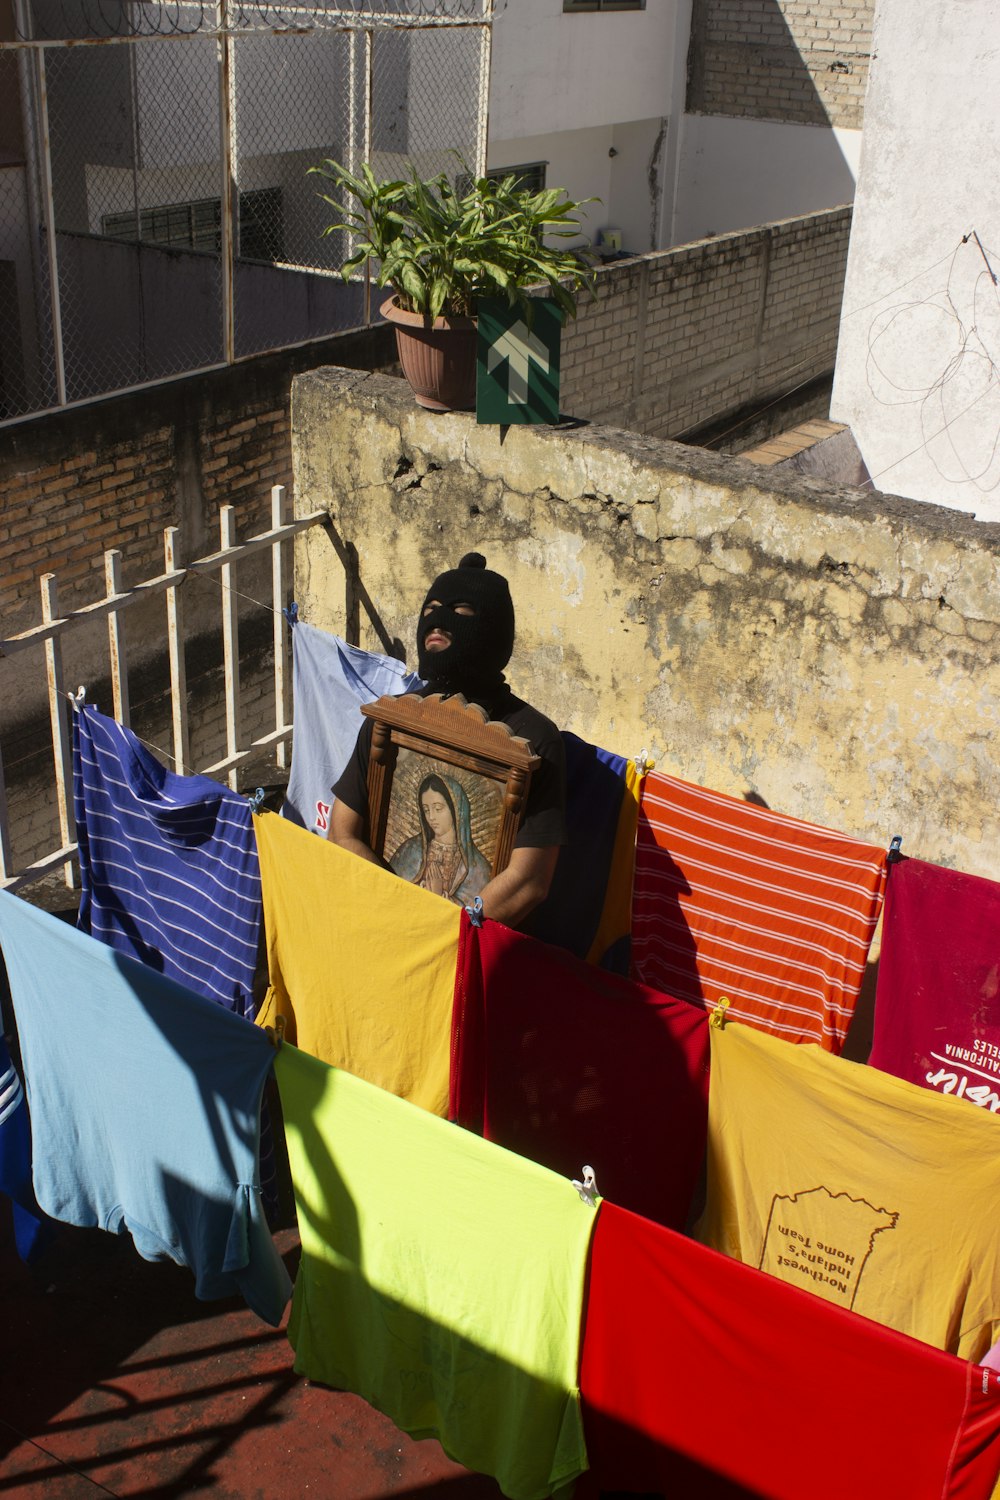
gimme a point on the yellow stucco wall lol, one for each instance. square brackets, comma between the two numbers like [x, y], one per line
[834, 652]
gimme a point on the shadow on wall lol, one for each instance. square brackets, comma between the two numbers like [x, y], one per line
[752, 74]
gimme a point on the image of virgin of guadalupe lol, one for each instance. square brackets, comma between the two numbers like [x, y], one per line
[443, 857]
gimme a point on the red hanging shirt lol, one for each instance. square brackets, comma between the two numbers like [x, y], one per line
[703, 1376]
[571, 1066]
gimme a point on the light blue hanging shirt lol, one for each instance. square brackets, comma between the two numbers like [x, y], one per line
[331, 680]
[145, 1107]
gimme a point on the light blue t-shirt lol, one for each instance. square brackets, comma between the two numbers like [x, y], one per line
[145, 1107]
[331, 681]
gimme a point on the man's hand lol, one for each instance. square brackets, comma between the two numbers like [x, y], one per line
[513, 894]
[347, 828]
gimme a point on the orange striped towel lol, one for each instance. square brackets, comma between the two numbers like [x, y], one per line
[732, 900]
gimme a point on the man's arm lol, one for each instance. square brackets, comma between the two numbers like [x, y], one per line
[510, 896]
[347, 828]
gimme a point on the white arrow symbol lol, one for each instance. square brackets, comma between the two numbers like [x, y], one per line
[519, 346]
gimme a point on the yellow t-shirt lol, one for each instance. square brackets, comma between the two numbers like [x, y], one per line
[616, 913]
[361, 964]
[873, 1193]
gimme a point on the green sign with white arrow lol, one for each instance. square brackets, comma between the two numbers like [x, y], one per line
[517, 373]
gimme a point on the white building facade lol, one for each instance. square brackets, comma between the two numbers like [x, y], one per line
[687, 118]
[918, 362]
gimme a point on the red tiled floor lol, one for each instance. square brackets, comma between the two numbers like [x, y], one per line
[117, 1380]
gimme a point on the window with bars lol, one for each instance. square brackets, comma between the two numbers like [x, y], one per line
[529, 175]
[197, 225]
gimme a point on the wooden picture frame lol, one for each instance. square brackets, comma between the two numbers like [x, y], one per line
[447, 789]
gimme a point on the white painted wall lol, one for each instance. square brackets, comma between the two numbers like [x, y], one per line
[577, 161]
[918, 365]
[733, 174]
[593, 94]
[554, 70]
[628, 184]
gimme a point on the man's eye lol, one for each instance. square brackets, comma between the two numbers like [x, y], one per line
[464, 609]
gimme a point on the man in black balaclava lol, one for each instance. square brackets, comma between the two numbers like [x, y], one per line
[465, 637]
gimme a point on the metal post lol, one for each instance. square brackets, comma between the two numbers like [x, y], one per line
[279, 591]
[366, 148]
[116, 636]
[482, 113]
[6, 868]
[175, 647]
[227, 167]
[48, 209]
[230, 640]
[60, 727]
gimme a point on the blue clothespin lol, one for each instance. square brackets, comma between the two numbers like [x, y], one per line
[895, 849]
[475, 912]
[256, 799]
[291, 614]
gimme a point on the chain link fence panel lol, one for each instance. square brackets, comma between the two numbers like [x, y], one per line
[157, 216]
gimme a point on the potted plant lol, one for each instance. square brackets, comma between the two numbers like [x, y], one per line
[439, 247]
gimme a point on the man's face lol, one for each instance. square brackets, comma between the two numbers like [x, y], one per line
[439, 638]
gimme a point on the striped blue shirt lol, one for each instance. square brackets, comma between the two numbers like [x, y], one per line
[168, 864]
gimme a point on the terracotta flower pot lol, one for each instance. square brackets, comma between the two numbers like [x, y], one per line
[438, 356]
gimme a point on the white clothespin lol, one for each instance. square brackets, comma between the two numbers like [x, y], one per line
[588, 1187]
[644, 762]
[78, 698]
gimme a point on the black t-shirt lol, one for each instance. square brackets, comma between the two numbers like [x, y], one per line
[544, 821]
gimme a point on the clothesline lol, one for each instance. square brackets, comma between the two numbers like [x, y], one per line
[556, 1063]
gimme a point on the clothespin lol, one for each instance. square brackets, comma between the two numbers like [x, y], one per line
[644, 762]
[475, 912]
[588, 1189]
[77, 698]
[291, 614]
[718, 1016]
[256, 799]
[895, 849]
[276, 1033]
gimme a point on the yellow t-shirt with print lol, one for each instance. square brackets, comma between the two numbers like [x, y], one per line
[858, 1186]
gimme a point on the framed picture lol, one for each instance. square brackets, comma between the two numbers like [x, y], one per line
[446, 791]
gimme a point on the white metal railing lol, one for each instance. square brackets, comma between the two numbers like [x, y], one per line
[116, 601]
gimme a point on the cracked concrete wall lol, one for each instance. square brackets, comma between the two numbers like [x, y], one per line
[834, 652]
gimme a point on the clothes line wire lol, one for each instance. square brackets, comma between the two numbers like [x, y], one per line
[678, 437]
[908, 282]
[926, 441]
[62, 1462]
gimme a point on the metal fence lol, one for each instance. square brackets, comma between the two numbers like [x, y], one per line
[156, 216]
[46, 641]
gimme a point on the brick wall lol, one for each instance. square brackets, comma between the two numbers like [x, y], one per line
[116, 472]
[678, 338]
[801, 61]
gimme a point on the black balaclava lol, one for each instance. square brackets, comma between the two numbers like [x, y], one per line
[481, 644]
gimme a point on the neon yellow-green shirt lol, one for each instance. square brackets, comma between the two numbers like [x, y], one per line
[441, 1277]
[865, 1189]
[361, 964]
